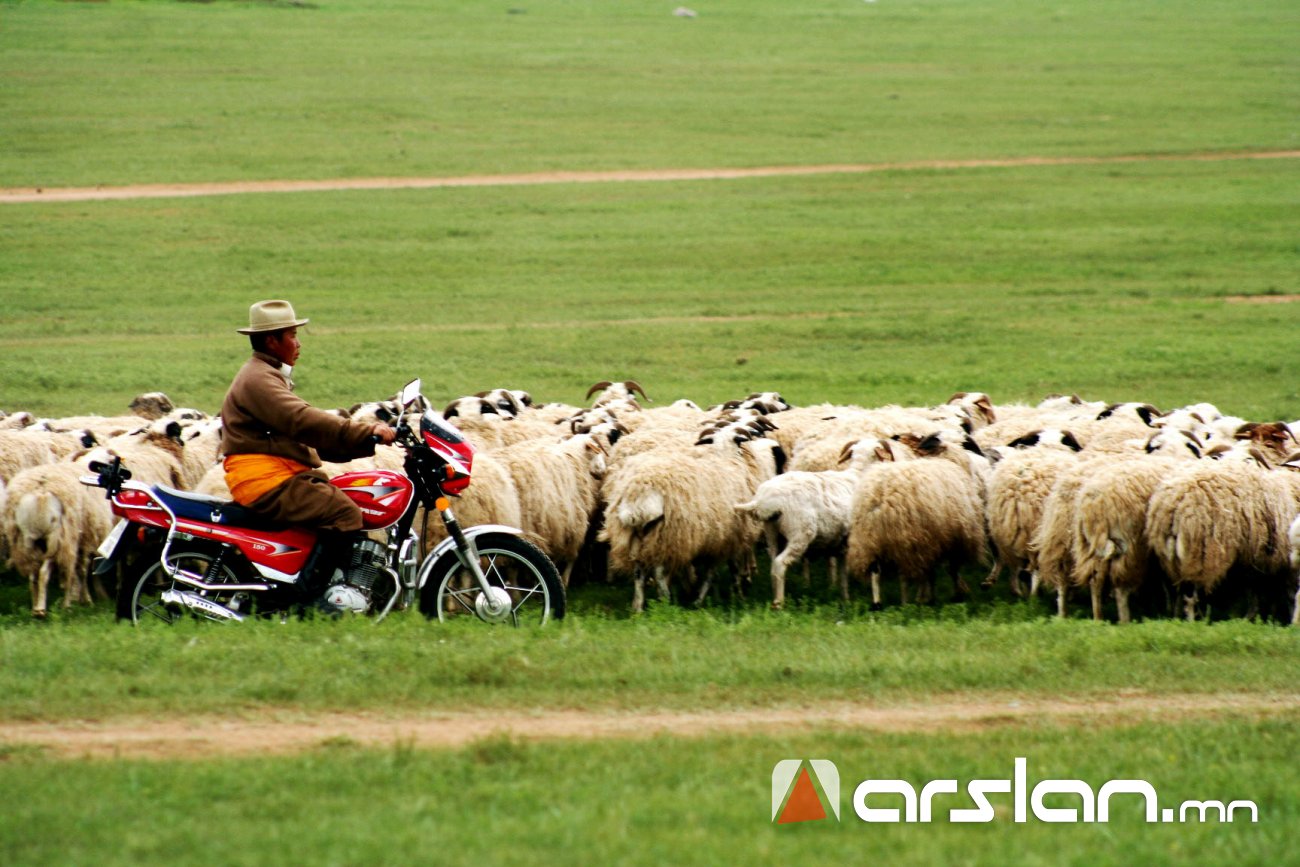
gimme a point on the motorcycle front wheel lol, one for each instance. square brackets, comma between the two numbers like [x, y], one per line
[143, 599]
[525, 588]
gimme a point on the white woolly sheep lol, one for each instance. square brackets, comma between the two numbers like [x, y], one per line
[1018, 488]
[152, 406]
[52, 525]
[491, 498]
[812, 510]
[1109, 540]
[154, 455]
[910, 516]
[1294, 536]
[558, 485]
[1214, 518]
[671, 510]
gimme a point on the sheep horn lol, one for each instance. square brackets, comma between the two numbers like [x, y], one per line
[633, 385]
[597, 387]
[847, 451]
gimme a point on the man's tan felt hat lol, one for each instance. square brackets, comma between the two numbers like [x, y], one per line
[271, 316]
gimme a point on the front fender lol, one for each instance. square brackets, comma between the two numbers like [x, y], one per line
[449, 544]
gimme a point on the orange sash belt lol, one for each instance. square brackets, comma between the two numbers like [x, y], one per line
[251, 476]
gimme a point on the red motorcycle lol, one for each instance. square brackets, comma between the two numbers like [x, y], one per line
[187, 554]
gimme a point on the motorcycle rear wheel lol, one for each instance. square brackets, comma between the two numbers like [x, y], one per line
[524, 581]
[140, 600]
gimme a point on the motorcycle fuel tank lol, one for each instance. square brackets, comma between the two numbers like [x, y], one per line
[382, 495]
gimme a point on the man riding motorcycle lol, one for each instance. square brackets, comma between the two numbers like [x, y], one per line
[273, 441]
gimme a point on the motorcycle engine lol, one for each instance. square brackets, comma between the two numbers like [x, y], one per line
[357, 582]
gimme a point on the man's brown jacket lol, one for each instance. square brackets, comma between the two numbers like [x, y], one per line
[262, 416]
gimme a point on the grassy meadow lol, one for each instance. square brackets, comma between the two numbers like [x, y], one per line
[1114, 281]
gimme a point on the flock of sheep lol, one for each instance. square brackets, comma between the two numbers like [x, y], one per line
[1180, 508]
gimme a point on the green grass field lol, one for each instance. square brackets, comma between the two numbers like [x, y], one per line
[1109, 280]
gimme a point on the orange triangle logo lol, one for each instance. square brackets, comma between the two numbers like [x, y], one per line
[804, 805]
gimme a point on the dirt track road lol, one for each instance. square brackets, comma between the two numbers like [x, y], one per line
[287, 731]
[21, 195]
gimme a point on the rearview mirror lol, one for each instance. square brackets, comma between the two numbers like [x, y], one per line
[411, 393]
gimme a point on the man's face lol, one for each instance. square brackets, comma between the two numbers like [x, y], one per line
[284, 346]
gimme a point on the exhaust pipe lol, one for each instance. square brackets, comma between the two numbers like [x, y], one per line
[202, 605]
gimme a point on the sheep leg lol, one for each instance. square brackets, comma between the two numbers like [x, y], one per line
[1189, 605]
[1018, 576]
[991, 579]
[661, 581]
[795, 548]
[705, 585]
[875, 590]
[564, 575]
[1121, 602]
[960, 587]
[1034, 583]
[1060, 602]
[903, 591]
[839, 579]
[638, 591]
[40, 583]
[1094, 589]
[1295, 610]
[778, 584]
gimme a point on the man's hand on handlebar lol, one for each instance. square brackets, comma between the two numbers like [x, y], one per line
[383, 433]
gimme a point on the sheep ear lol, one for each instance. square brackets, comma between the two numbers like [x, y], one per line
[88, 440]
[451, 411]
[781, 458]
[486, 408]
[911, 440]
[1068, 440]
[973, 447]
[1146, 412]
[480, 394]
[956, 397]
[884, 453]
[1107, 412]
[174, 431]
[847, 451]
[1029, 439]
[597, 387]
[930, 445]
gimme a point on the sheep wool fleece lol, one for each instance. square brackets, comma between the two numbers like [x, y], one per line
[262, 416]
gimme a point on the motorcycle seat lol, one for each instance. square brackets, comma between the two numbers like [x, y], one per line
[211, 510]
